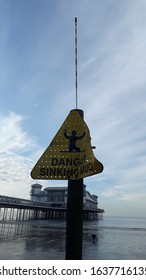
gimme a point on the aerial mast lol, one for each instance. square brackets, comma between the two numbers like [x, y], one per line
[76, 64]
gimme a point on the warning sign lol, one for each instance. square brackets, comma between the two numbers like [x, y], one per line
[69, 155]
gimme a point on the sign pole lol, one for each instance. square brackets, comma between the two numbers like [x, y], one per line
[74, 219]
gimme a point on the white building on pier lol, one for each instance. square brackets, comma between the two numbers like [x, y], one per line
[57, 197]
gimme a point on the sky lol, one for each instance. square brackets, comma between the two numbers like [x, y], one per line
[37, 92]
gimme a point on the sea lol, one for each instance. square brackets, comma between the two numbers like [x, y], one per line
[117, 238]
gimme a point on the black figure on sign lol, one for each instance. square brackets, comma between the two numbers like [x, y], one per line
[72, 140]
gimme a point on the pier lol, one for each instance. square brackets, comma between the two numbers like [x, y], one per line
[16, 209]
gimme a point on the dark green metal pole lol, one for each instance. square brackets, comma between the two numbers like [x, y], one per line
[74, 220]
[74, 226]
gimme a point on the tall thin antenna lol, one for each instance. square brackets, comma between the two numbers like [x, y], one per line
[76, 64]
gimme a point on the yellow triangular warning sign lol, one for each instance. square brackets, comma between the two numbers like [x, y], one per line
[69, 155]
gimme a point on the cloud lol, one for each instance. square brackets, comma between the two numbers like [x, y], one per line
[12, 136]
[18, 154]
[15, 165]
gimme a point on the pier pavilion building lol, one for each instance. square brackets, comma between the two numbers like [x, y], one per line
[57, 197]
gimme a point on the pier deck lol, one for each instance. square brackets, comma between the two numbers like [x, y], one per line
[12, 208]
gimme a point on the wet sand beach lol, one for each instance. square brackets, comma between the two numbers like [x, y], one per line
[116, 238]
